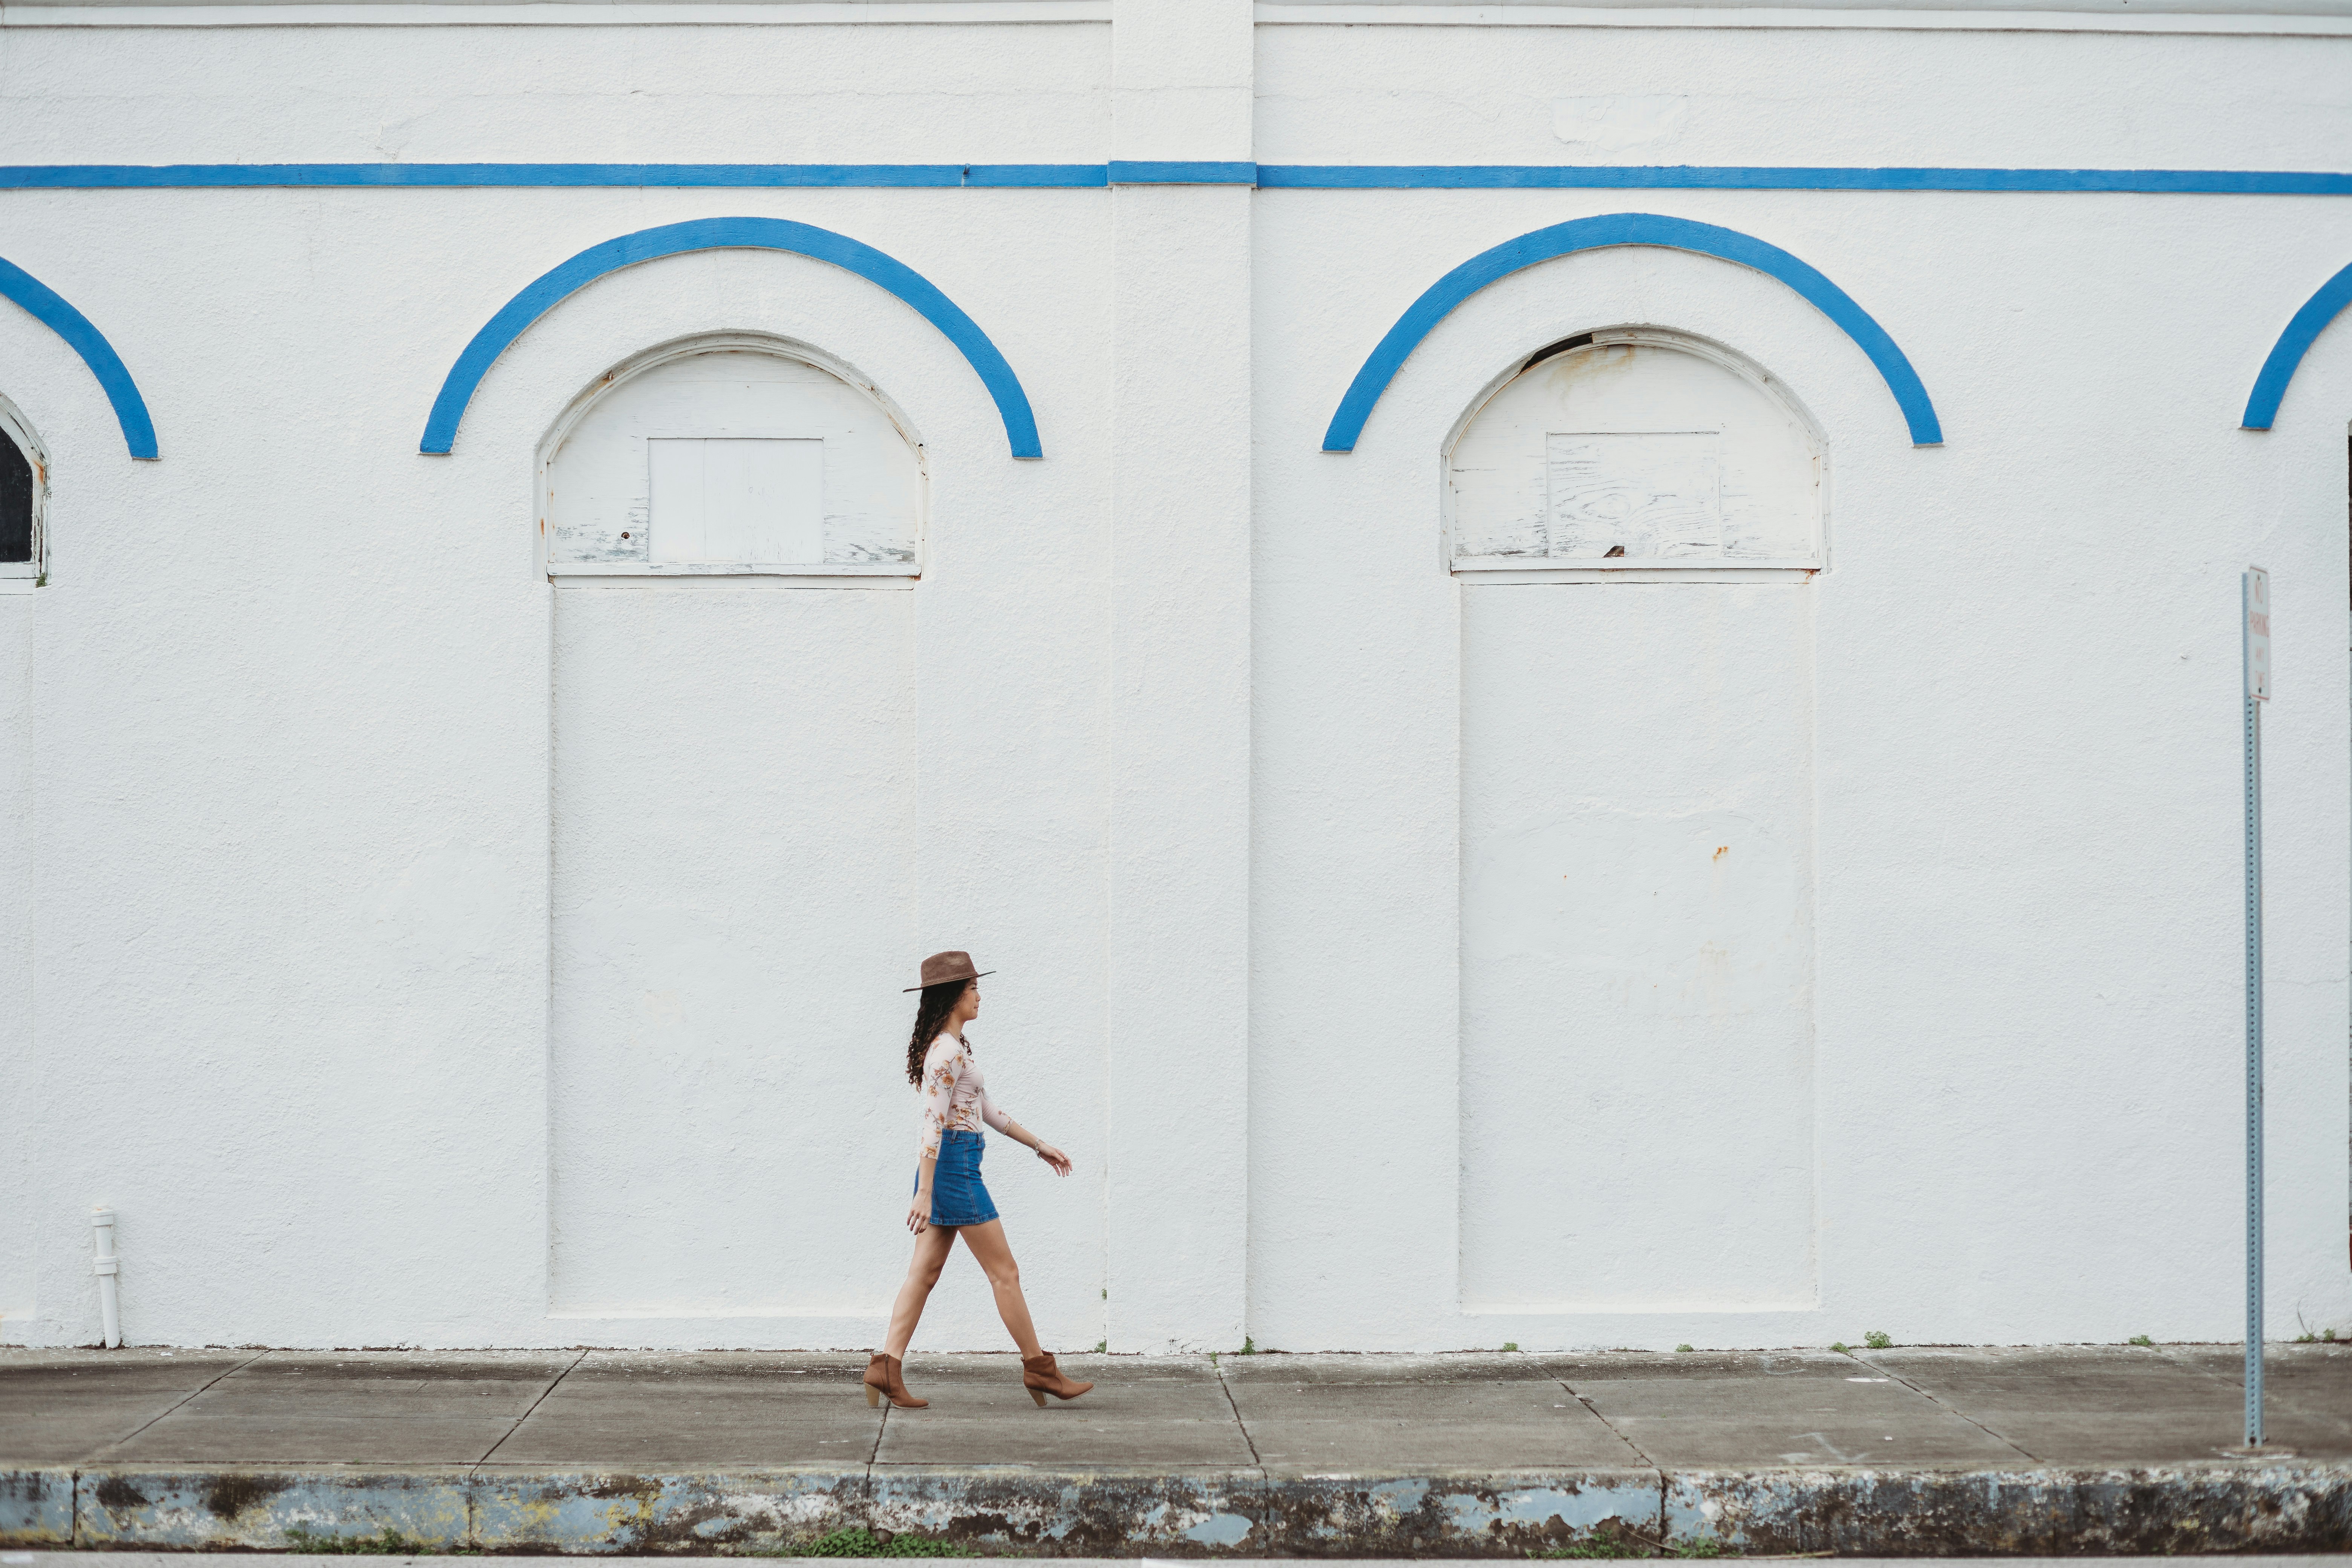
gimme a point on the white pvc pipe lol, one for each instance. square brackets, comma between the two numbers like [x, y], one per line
[110, 1304]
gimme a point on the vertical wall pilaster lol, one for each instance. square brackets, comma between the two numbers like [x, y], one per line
[21, 1123]
[1178, 1012]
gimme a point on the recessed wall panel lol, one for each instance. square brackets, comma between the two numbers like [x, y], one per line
[1636, 1085]
[17, 1067]
[733, 801]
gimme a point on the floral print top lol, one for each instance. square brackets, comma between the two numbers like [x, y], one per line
[955, 1095]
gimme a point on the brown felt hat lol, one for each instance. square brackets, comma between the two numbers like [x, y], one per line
[943, 967]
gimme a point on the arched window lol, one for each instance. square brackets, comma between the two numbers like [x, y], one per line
[1635, 449]
[24, 501]
[729, 456]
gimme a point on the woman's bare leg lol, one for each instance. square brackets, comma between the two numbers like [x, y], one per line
[930, 1257]
[995, 1255]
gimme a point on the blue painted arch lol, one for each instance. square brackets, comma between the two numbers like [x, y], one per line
[44, 304]
[1442, 297]
[2286, 355]
[516, 316]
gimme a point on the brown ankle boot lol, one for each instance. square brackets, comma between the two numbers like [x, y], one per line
[884, 1379]
[1040, 1377]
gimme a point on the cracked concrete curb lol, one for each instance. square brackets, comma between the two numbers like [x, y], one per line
[2279, 1507]
[2152, 1510]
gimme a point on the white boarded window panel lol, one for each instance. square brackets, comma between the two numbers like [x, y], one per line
[731, 498]
[599, 482]
[1651, 494]
[1671, 455]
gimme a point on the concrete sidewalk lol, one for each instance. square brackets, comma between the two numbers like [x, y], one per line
[1899, 1451]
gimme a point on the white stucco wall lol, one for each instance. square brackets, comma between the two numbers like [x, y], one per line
[1195, 717]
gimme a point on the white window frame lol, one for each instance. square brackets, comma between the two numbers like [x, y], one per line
[1644, 569]
[781, 575]
[23, 577]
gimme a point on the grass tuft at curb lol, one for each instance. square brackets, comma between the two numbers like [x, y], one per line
[391, 1544]
[856, 1542]
[1613, 1540]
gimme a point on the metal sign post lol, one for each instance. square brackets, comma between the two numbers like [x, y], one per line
[2255, 596]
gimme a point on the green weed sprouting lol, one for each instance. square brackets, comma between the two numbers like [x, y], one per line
[2140, 1339]
[1613, 1540]
[859, 1541]
[1604, 1542]
[1877, 1341]
[1681, 1349]
[389, 1543]
[1510, 1345]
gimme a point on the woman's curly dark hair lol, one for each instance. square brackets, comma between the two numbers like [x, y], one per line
[930, 1016]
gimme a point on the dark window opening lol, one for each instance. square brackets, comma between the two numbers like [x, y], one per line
[16, 503]
[1560, 347]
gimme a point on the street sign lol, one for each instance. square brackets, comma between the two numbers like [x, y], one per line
[2258, 634]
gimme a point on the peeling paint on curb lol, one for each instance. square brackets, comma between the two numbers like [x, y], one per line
[1247, 1513]
[37, 1508]
[2153, 1510]
[2280, 1507]
[618, 1511]
[222, 1507]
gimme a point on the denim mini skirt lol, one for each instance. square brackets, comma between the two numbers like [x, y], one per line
[958, 1195]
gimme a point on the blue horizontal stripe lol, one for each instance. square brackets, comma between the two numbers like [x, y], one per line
[1553, 177]
[117, 177]
[1271, 176]
[1124, 172]
[1000, 176]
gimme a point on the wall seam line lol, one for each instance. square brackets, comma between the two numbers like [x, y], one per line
[548, 805]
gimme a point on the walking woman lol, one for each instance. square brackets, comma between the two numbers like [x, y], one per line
[950, 1200]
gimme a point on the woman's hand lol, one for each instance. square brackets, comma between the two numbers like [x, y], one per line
[1053, 1157]
[918, 1213]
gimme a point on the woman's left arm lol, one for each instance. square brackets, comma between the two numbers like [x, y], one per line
[1020, 1134]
